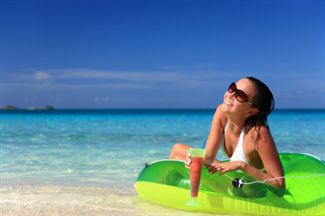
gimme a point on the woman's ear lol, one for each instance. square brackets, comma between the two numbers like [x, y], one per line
[252, 111]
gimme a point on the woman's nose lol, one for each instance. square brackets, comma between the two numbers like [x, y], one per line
[231, 95]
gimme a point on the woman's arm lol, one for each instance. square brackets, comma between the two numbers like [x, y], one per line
[270, 157]
[215, 135]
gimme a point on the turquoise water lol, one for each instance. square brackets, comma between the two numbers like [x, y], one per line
[108, 148]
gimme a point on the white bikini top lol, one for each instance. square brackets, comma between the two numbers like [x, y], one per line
[238, 154]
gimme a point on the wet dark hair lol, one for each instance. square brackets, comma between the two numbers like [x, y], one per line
[264, 102]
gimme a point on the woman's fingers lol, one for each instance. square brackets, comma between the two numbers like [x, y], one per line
[220, 167]
[223, 171]
[187, 163]
[213, 169]
[223, 167]
[188, 160]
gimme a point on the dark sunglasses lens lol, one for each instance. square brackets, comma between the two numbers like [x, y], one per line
[232, 88]
[241, 96]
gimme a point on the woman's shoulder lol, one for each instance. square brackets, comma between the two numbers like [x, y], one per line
[261, 134]
[220, 115]
[261, 128]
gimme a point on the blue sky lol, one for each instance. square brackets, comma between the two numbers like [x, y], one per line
[159, 54]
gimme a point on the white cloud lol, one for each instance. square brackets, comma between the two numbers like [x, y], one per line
[121, 75]
[120, 80]
[153, 79]
[41, 75]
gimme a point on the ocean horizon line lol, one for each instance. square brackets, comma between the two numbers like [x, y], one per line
[140, 110]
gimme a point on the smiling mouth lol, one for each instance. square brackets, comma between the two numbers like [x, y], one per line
[228, 103]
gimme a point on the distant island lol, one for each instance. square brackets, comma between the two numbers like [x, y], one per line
[32, 108]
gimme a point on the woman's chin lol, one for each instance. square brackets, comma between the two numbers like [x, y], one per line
[225, 108]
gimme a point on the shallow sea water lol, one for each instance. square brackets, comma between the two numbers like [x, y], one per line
[86, 162]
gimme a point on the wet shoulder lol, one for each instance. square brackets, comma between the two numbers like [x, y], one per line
[260, 136]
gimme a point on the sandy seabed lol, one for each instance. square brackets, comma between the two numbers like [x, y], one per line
[30, 200]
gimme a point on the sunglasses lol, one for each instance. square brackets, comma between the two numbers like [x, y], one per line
[239, 95]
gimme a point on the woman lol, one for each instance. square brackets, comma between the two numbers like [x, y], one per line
[240, 126]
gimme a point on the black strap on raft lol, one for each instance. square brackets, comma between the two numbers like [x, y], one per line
[237, 183]
[146, 164]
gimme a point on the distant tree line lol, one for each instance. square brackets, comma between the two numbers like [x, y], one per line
[12, 107]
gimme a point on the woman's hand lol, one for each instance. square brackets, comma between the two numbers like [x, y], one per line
[224, 167]
[188, 160]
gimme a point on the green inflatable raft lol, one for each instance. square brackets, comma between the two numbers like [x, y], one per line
[166, 182]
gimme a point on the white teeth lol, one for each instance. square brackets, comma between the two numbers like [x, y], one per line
[228, 103]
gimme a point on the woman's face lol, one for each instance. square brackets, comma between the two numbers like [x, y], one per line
[234, 100]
